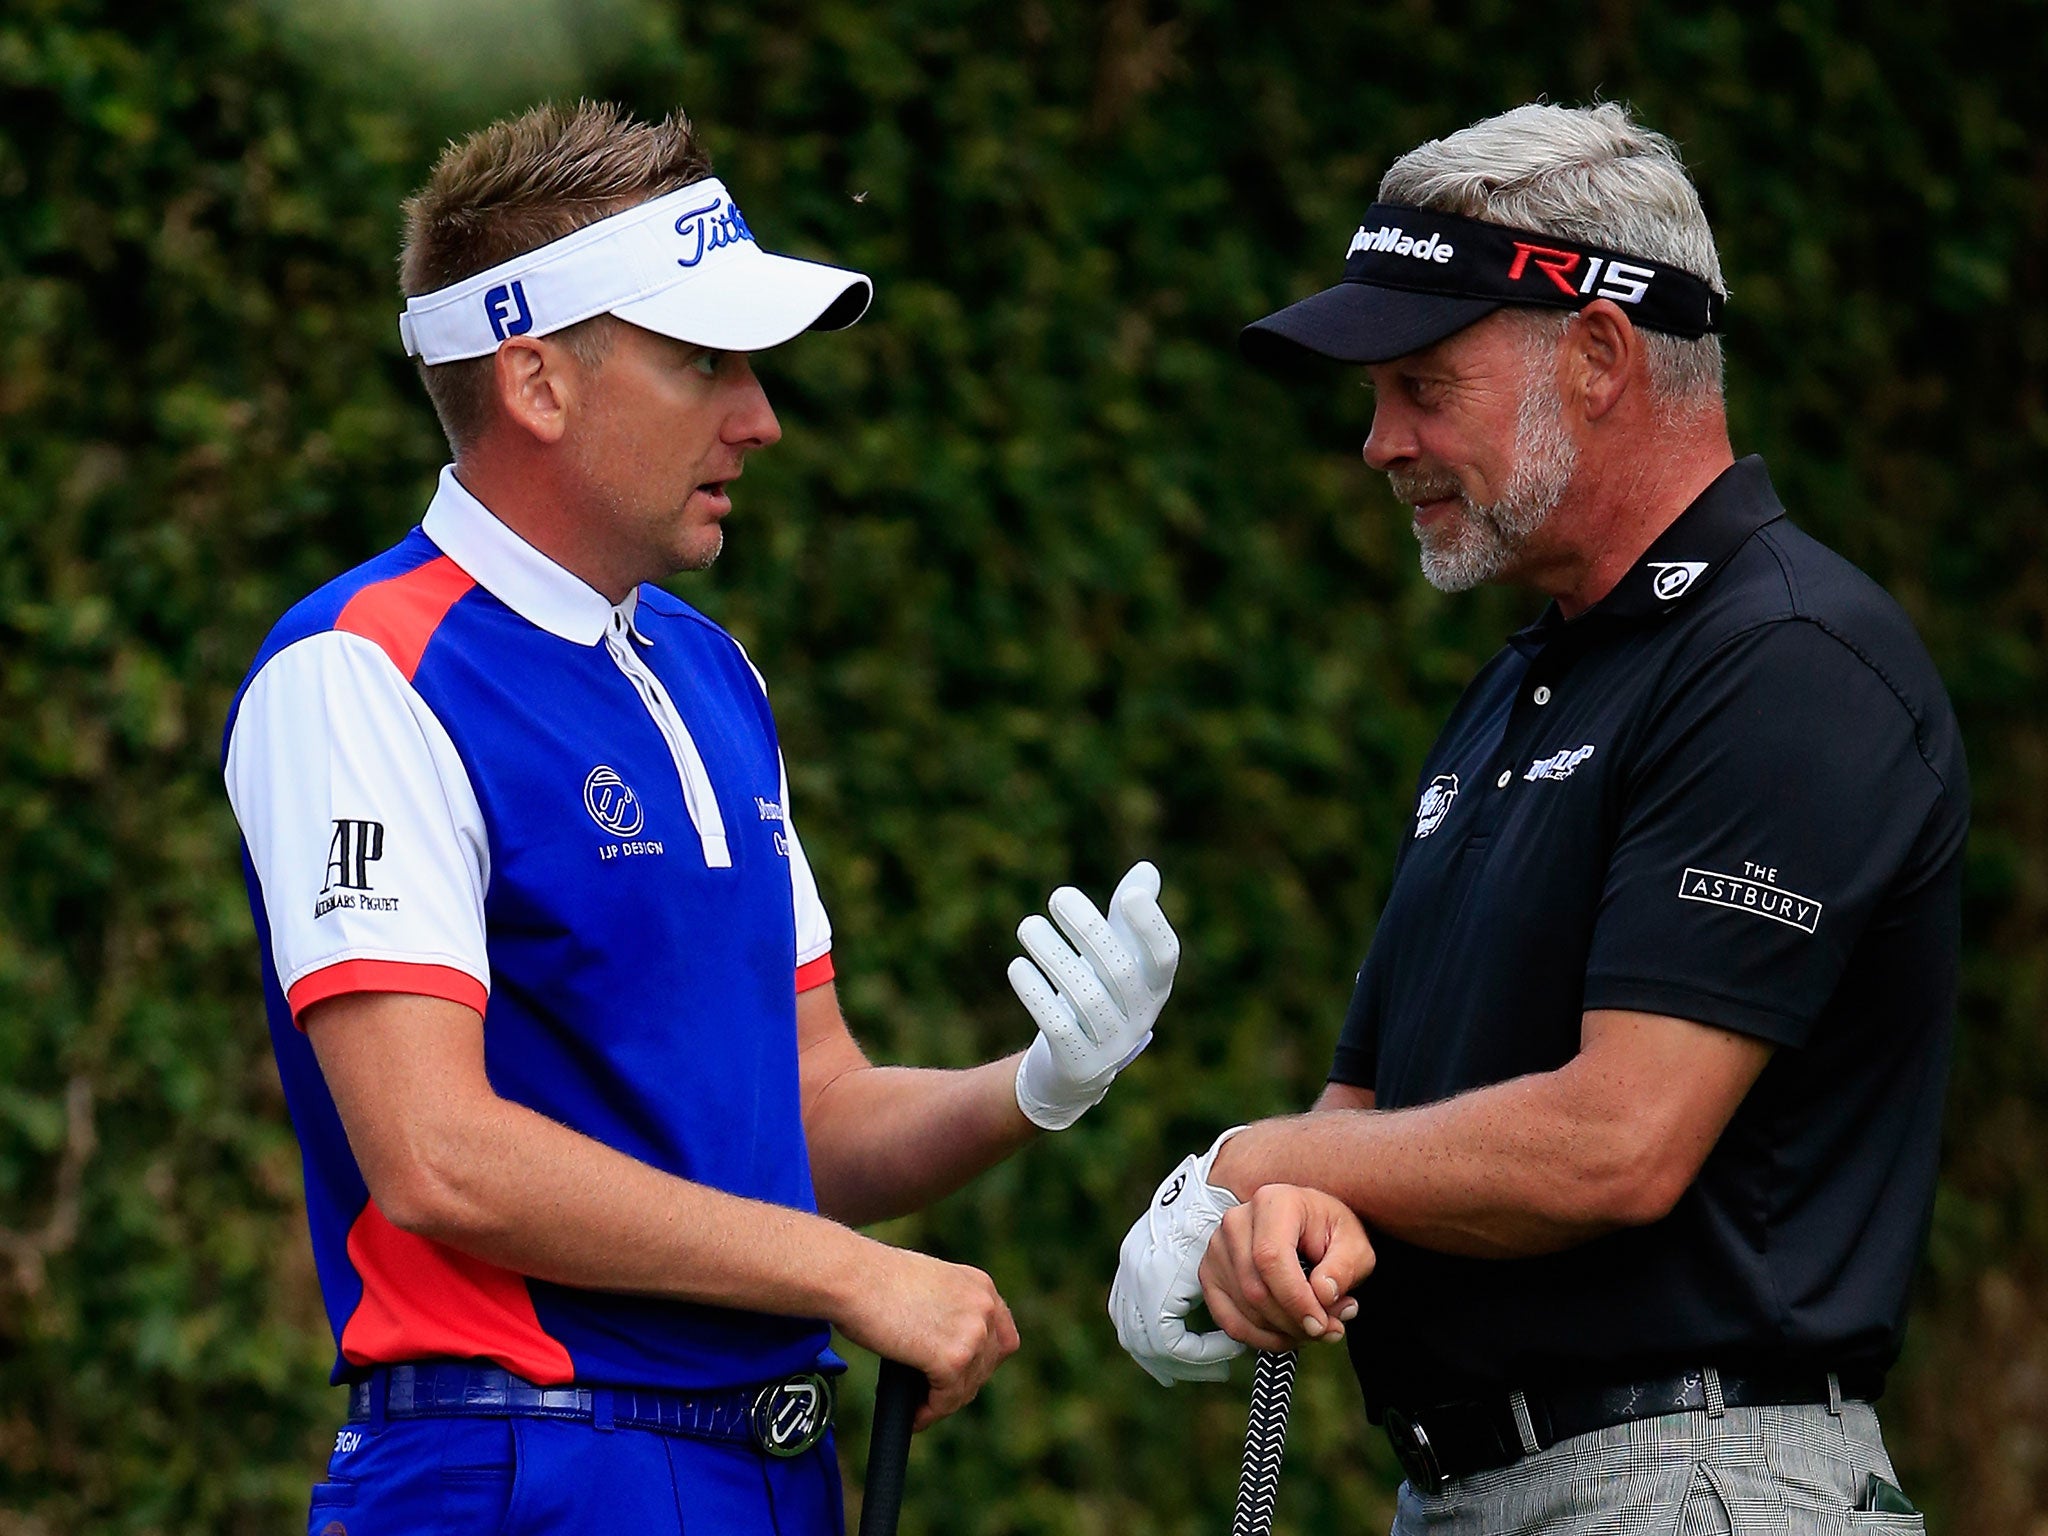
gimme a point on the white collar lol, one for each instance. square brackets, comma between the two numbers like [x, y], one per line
[518, 575]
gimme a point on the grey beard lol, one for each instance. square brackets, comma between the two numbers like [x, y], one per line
[1482, 542]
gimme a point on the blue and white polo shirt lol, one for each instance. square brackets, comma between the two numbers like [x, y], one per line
[463, 773]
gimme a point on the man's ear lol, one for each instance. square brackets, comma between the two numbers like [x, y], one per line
[1605, 348]
[536, 386]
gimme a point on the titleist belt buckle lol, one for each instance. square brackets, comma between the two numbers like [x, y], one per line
[792, 1415]
[1416, 1455]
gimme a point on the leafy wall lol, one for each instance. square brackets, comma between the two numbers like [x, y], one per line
[1044, 580]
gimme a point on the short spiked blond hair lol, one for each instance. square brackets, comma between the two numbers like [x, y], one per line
[513, 187]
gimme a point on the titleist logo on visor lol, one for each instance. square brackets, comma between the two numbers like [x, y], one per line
[709, 229]
[1429, 252]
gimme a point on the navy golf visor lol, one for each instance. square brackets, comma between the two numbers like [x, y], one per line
[1413, 276]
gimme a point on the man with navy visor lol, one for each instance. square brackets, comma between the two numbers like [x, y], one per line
[1639, 1093]
[548, 975]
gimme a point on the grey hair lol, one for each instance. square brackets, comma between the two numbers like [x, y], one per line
[1591, 174]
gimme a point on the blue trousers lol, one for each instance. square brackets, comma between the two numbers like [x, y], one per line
[536, 1477]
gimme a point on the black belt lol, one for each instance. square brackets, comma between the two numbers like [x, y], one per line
[1437, 1446]
[782, 1418]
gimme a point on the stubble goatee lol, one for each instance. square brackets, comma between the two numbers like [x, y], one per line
[1478, 543]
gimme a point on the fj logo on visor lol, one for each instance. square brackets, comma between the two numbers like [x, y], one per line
[506, 306]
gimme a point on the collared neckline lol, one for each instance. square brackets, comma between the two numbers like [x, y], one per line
[1685, 556]
[522, 578]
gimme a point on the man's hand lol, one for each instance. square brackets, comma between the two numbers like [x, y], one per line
[1094, 995]
[1252, 1275]
[1157, 1280]
[946, 1319]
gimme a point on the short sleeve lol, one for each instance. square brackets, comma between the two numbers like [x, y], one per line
[363, 829]
[813, 927]
[1778, 794]
[1358, 1046]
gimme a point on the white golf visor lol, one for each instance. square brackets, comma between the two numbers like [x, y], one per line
[683, 264]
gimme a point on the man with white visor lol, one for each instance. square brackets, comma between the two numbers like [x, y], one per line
[548, 976]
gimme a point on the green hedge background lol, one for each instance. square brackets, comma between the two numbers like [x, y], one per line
[1043, 577]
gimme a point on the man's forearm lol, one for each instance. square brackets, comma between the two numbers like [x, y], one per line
[885, 1141]
[1610, 1139]
[516, 1188]
[447, 1158]
[1494, 1173]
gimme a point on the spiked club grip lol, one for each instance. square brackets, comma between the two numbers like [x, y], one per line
[1265, 1441]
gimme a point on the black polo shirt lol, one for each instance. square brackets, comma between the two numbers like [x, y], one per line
[1733, 791]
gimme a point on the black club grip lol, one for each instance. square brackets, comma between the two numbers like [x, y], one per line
[898, 1395]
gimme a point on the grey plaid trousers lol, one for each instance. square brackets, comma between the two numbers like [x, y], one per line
[1750, 1472]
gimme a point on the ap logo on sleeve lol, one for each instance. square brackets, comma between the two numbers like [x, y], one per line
[353, 848]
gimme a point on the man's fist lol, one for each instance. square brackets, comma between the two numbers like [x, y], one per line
[1281, 1267]
[948, 1320]
[1157, 1276]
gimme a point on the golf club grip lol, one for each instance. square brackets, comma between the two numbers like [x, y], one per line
[898, 1395]
[1265, 1442]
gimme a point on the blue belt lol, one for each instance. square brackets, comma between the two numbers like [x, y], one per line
[782, 1418]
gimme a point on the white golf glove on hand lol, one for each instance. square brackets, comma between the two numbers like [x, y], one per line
[1094, 994]
[1157, 1276]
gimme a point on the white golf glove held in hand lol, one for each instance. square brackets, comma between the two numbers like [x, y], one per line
[1094, 994]
[1158, 1281]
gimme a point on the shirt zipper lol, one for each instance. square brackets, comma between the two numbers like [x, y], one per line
[699, 798]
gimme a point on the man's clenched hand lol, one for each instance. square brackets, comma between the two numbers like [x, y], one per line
[1254, 1276]
[948, 1320]
[1158, 1281]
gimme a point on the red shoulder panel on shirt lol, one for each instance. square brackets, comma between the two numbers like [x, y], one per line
[401, 614]
[423, 1300]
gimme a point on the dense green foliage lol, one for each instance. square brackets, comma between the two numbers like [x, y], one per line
[1043, 577]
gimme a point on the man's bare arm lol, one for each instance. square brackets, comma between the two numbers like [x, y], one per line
[446, 1158]
[888, 1140]
[1539, 1163]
